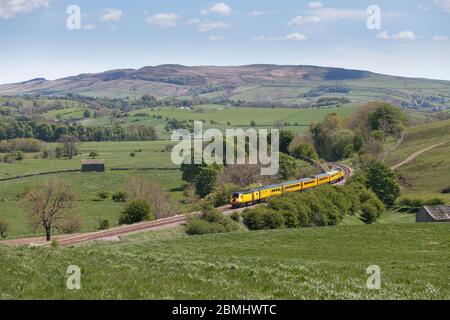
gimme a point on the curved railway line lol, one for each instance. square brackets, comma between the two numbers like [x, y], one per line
[139, 227]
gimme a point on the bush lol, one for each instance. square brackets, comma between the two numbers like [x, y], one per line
[211, 221]
[263, 219]
[222, 193]
[446, 190]
[369, 213]
[93, 154]
[103, 195]
[235, 216]
[119, 196]
[136, 211]
[3, 228]
[103, 224]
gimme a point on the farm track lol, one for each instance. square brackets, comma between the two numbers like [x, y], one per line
[138, 227]
[413, 156]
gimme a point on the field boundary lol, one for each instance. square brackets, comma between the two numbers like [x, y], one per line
[39, 174]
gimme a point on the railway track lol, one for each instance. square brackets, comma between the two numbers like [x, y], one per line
[146, 226]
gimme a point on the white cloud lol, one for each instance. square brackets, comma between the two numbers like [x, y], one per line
[423, 7]
[443, 4]
[383, 35]
[164, 20]
[110, 15]
[89, 27]
[440, 38]
[290, 37]
[334, 14]
[295, 37]
[218, 8]
[404, 35]
[304, 20]
[208, 25]
[216, 38]
[10, 8]
[315, 4]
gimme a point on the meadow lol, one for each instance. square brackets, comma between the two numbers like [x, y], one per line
[224, 117]
[428, 174]
[310, 263]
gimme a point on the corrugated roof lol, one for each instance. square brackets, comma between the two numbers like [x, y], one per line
[92, 161]
[441, 213]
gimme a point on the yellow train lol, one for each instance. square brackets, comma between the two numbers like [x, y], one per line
[258, 195]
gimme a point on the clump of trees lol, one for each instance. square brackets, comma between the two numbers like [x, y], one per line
[21, 144]
[324, 206]
[210, 221]
[50, 206]
[363, 133]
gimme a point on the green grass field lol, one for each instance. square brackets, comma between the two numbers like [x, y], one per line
[311, 263]
[237, 117]
[428, 174]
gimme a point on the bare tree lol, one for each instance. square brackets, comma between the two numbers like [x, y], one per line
[69, 145]
[49, 206]
[145, 189]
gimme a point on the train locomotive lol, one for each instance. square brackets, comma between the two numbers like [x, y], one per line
[258, 195]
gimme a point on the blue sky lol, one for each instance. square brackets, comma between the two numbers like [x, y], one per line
[414, 39]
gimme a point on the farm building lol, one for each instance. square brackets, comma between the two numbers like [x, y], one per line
[433, 214]
[92, 166]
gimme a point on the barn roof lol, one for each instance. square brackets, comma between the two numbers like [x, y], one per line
[440, 213]
[92, 161]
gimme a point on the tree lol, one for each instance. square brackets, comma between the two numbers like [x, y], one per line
[69, 145]
[387, 118]
[93, 154]
[3, 228]
[139, 188]
[49, 205]
[383, 181]
[304, 151]
[205, 181]
[288, 166]
[286, 137]
[136, 211]
[86, 114]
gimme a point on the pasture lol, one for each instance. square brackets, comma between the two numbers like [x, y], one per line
[311, 263]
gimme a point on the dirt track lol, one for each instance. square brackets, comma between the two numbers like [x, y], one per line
[416, 154]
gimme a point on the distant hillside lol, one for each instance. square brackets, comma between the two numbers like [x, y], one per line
[257, 83]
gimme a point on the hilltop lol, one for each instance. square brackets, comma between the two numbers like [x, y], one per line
[257, 83]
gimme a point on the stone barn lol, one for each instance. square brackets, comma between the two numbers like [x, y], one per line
[92, 165]
[433, 214]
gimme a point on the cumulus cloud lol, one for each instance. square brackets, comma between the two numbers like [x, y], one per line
[315, 4]
[290, 37]
[218, 8]
[404, 35]
[110, 15]
[164, 20]
[304, 20]
[216, 38]
[208, 25]
[443, 4]
[439, 37]
[295, 37]
[11, 8]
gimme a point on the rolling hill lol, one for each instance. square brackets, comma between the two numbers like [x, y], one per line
[258, 83]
